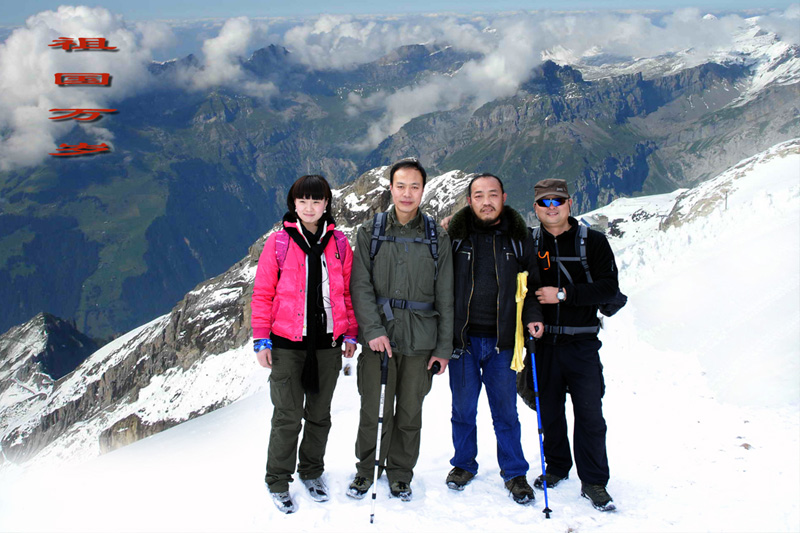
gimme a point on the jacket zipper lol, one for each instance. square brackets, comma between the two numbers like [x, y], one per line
[497, 304]
[469, 302]
[558, 280]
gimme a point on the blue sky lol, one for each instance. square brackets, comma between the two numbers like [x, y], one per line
[15, 13]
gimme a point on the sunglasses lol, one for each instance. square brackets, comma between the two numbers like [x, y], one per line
[551, 202]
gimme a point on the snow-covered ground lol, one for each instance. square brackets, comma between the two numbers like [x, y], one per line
[702, 372]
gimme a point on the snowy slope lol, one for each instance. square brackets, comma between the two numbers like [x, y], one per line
[702, 404]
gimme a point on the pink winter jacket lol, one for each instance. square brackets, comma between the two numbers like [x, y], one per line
[279, 302]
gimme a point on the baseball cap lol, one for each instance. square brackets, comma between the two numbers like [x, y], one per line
[550, 187]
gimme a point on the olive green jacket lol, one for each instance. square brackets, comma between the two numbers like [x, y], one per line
[404, 271]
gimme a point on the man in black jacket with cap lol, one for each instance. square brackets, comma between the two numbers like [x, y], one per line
[567, 357]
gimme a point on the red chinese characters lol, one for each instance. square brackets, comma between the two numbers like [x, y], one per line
[84, 43]
[76, 113]
[81, 149]
[86, 78]
[97, 79]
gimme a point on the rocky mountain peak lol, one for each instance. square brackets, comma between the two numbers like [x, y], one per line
[410, 52]
[551, 77]
[266, 60]
[45, 345]
[33, 357]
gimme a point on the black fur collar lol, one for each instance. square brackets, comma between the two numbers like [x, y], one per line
[461, 224]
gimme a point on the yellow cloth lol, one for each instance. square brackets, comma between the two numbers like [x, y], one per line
[517, 362]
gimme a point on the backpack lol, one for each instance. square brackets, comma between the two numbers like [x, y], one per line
[609, 308]
[282, 246]
[379, 235]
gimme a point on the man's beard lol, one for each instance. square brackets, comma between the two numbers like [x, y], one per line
[485, 224]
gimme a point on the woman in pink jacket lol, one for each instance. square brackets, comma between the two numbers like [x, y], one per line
[302, 323]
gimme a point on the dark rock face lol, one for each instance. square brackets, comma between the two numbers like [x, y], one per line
[66, 348]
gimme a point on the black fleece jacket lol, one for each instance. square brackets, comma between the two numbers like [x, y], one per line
[580, 307]
[511, 226]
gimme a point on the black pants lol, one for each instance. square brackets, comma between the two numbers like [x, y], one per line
[575, 366]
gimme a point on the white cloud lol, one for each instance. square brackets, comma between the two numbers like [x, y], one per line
[344, 41]
[786, 24]
[498, 74]
[156, 35]
[223, 55]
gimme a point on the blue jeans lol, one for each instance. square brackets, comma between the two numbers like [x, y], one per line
[483, 365]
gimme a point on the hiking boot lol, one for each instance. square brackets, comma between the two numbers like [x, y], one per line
[358, 487]
[402, 490]
[284, 502]
[597, 494]
[317, 489]
[458, 478]
[520, 490]
[552, 481]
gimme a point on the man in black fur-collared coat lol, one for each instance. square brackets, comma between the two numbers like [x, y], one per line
[491, 245]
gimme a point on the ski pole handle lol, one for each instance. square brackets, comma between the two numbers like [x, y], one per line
[384, 368]
[530, 344]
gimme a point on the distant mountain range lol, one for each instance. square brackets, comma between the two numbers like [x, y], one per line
[112, 241]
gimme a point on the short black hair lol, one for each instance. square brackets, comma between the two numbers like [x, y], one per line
[484, 175]
[311, 186]
[407, 163]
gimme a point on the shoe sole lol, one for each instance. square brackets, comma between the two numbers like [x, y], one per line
[455, 485]
[607, 507]
[403, 496]
[356, 495]
[285, 509]
[317, 496]
[549, 485]
[522, 501]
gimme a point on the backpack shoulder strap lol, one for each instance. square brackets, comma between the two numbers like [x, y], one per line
[456, 244]
[580, 246]
[516, 245]
[378, 230]
[341, 243]
[281, 247]
[433, 242]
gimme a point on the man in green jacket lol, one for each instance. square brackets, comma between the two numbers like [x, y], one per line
[403, 301]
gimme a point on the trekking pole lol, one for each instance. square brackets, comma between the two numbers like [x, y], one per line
[531, 350]
[384, 379]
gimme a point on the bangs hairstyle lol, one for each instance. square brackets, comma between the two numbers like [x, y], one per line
[407, 163]
[485, 175]
[311, 186]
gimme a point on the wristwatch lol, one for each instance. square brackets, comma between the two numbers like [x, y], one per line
[561, 295]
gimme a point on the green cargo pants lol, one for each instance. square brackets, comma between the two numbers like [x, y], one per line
[288, 398]
[408, 383]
